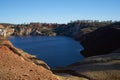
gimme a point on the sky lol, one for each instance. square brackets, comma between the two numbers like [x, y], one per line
[58, 11]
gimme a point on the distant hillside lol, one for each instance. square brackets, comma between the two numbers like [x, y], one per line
[74, 29]
[79, 28]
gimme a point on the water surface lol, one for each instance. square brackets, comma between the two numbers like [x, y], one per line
[55, 51]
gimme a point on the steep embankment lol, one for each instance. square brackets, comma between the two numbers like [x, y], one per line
[18, 65]
[102, 41]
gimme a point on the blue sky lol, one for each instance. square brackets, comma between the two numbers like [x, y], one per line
[58, 11]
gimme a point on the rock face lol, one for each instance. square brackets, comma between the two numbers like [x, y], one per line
[34, 29]
[104, 67]
[102, 41]
[6, 31]
[18, 65]
[79, 28]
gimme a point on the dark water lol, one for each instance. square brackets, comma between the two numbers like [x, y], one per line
[55, 51]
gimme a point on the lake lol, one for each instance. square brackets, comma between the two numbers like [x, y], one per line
[55, 51]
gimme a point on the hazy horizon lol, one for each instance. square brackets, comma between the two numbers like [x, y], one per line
[58, 11]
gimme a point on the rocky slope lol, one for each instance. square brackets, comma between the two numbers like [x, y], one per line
[15, 64]
[79, 28]
[104, 67]
[101, 41]
[34, 29]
